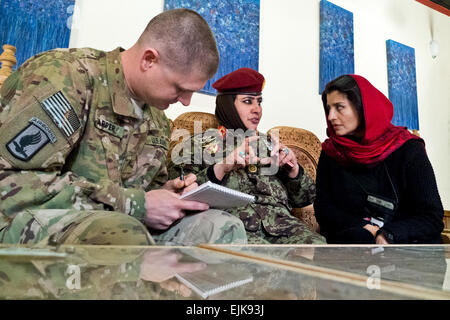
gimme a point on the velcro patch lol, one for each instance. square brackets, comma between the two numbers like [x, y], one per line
[159, 141]
[28, 142]
[44, 127]
[62, 113]
[109, 127]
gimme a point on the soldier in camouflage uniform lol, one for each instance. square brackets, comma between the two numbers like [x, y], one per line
[84, 139]
[224, 156]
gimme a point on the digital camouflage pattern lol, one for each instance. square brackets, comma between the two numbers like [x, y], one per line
[268, 220]
[71, 138]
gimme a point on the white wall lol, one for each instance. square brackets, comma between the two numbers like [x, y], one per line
[289, 59]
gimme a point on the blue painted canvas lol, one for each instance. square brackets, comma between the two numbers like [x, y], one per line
[33, 26]
[336, 43]
[235, 24]
[401, 66]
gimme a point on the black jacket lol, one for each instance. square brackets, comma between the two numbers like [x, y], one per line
[341, 203]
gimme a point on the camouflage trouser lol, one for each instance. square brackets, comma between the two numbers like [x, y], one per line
[59, 226]
[300, 234]
[211, 226]
[75, 227]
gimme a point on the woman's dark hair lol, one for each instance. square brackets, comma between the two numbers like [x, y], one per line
[226, 112]
[345, 84]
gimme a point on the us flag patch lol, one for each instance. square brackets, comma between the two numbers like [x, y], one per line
[62, 113]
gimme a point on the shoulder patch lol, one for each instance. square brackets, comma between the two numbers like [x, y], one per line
[28, 142]
[62, 113]
[44, 127]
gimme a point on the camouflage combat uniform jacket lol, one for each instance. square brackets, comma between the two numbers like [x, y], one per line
[276, 194]
[71, 138]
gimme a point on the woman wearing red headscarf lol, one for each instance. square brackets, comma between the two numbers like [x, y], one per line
[374, 183]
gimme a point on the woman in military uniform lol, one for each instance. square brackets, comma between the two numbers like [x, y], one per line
[237, 156]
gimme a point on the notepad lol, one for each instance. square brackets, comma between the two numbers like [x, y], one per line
[214, 279]
[218, 196]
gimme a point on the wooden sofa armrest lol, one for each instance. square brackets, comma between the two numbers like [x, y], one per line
[8, 61]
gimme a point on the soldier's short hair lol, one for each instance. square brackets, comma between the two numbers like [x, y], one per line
[184, 40]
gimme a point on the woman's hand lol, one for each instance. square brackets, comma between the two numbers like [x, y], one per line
[372, 229]
[288, 160]
[283, 156]
[380, 239]
[239, 158]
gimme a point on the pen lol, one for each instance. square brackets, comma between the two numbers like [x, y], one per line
[181, 174]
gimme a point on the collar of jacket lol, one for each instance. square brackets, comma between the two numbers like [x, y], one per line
[120, 95]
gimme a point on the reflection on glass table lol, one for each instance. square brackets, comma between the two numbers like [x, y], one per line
[254, 272]
[414, 272]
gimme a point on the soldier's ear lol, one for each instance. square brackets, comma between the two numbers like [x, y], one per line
[149, 58]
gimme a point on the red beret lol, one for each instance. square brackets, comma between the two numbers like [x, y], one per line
[243, 80]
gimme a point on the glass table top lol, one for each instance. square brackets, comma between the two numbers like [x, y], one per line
[259, 272]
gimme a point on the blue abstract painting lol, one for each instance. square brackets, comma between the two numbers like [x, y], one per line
[336, 43]
[401, 66]
[235, 24]
[33, 26]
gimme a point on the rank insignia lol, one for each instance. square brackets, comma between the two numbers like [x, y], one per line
[28, 142]
[62, 113]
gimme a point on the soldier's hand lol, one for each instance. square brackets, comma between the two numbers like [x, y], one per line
[164, 208]
[161, 265]
[181, 186]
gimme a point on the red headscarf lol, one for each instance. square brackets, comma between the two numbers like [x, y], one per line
[380, 139]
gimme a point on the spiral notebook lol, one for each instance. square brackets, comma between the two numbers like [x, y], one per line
[218, 196]
[214, 279]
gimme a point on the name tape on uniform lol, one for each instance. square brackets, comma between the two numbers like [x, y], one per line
[109, 127]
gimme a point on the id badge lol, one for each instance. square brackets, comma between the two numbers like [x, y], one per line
[381, 202]
[380, 208]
